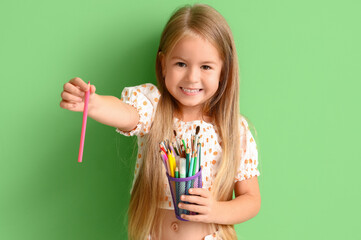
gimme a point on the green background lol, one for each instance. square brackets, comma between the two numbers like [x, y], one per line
[300, 70]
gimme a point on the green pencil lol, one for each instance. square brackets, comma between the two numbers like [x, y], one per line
[176, 172]
[184, 144]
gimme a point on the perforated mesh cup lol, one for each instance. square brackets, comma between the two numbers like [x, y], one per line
[179, 187]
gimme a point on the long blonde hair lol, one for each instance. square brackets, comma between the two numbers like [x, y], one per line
[223, 107]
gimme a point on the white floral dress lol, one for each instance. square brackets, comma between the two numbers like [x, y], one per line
[145, 99]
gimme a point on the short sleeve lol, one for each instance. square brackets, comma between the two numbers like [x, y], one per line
[249, 155]
[144, 98]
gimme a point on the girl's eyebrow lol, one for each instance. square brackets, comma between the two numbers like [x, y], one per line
[205, 62]
[176, 57]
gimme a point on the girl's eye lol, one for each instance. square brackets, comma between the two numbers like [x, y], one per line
[180, 64]
[206, 67]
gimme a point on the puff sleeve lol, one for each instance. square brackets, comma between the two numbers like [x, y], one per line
[249, 155]
[144, 98]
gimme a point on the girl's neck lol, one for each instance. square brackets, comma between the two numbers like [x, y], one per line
[192, 116]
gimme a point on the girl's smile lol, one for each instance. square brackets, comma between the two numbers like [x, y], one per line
[191, 91]
[192, 72]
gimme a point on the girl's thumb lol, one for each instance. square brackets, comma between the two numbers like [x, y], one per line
[92, 89]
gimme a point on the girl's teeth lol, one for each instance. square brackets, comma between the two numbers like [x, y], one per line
[190, 91]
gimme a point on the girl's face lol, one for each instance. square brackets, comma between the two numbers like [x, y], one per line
[192, 73]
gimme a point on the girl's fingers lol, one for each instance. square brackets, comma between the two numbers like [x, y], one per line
[193, 208]
[75, 107]
[194, 218]
[74, 93]
[92, 89]
[72, 89]
[80, 83]
[200, 192]
[194, 199]
[70, 97]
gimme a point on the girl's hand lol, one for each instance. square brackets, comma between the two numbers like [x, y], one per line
[203, 203]
[74, 94]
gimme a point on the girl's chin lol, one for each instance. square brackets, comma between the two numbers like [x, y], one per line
[190, 104]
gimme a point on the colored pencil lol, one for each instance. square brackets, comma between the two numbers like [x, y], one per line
[83, 128]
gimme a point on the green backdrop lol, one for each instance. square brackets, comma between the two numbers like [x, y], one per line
[300, 87]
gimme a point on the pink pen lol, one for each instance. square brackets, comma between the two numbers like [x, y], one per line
[85, 115]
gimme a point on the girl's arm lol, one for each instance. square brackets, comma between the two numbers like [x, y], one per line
[108, 110]
[112, 111]
[245, 206]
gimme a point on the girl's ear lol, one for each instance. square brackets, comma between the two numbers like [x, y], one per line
[162, 61]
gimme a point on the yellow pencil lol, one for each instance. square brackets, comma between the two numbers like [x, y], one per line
[174, 165]
[170, 158]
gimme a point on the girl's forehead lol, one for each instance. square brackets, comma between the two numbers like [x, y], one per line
[195, 47]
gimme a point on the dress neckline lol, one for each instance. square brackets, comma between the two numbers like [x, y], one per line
[193, 122]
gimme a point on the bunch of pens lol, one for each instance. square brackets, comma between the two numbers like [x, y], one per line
[183, 166]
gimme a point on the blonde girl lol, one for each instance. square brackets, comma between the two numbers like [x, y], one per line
[198, 85]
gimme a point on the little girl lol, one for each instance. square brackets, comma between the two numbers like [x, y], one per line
[198, 85]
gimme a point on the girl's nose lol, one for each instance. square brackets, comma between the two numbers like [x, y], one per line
[193, 74]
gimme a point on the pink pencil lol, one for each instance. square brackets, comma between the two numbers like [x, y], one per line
[85, 115]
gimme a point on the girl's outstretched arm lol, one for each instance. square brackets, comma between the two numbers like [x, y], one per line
[108, 110]
[245, 206]
[112, 111]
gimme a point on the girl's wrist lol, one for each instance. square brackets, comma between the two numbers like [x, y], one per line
[218, 212]
[92, 104]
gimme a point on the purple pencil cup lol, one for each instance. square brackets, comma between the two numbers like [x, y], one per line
[179, 187]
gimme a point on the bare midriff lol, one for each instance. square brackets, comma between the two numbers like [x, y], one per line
[175, 229]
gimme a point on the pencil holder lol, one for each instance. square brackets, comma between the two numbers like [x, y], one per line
[179, 187]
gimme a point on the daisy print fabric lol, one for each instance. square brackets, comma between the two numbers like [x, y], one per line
[145, 98]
